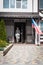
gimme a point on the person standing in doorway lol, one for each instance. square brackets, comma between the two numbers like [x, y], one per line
[17, 35]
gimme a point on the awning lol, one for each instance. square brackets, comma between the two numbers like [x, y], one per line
[18, 14]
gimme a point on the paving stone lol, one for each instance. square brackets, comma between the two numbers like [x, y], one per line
[24, 54]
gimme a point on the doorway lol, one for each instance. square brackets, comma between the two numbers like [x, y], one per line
[22, 29]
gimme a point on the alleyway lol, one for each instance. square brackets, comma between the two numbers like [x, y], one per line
[24, 54]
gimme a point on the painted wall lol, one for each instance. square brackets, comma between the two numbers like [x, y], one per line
[35, 5]
[31, 7]
[1, 5]
[10, 32]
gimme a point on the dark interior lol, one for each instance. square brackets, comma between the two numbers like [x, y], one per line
[21, 26]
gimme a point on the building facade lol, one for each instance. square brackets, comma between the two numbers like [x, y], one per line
[19, 14]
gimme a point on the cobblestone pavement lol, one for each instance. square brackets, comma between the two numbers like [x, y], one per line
[24, 54]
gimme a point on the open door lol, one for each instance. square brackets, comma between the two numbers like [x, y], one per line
[21, 26]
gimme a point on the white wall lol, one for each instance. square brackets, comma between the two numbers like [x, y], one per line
[1, 4]
[35, 6]
[10, 30]
[29, 9]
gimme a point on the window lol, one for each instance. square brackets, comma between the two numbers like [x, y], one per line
[41, 26]
[24, 3]
[41, 4]
[15, 4]
[12, 3]
[18, 3]
[5, 3]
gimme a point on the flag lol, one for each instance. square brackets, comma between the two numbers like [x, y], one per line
[34, 25]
